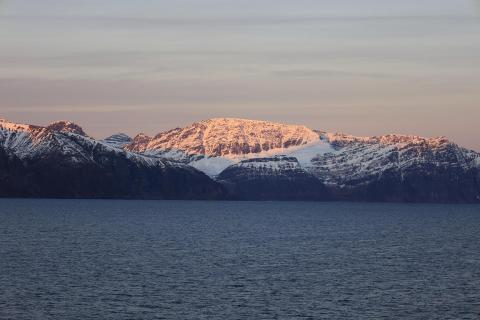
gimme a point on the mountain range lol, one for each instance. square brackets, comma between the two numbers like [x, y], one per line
[228, 158]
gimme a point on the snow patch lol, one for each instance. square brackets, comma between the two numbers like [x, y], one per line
[212, 166]
[304, 154]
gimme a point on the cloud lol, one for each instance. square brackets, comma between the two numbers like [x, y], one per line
[76, 93]
[326, 73]
[77, 109]
[214, 21]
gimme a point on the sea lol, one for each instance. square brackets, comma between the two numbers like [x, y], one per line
[116, 259]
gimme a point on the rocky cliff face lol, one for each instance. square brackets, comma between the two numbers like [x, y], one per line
[66, 126]
[226, 137]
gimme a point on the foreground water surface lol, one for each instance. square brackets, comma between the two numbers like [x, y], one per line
[95, 259]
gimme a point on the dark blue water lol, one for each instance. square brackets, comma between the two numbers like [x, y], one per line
[69, 259]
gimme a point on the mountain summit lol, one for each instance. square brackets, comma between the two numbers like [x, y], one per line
[227, 137]
[66, 126]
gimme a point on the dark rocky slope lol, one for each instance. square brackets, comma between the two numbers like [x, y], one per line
[276, 178]
[51, 162]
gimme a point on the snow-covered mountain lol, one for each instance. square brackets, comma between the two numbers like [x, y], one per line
[213, 145]
[227, 137]
[60, 160]
[29, 142]
[361, 159]
[411, 167]
[66, 126]
[251, 159]
[399, 168]
[119, 140]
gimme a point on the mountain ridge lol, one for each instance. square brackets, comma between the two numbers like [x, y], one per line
[263, 160]
[226, 136]
[51, 161]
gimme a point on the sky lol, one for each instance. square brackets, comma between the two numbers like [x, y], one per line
[365, 67]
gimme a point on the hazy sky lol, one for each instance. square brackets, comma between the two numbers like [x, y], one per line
[362, 67]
